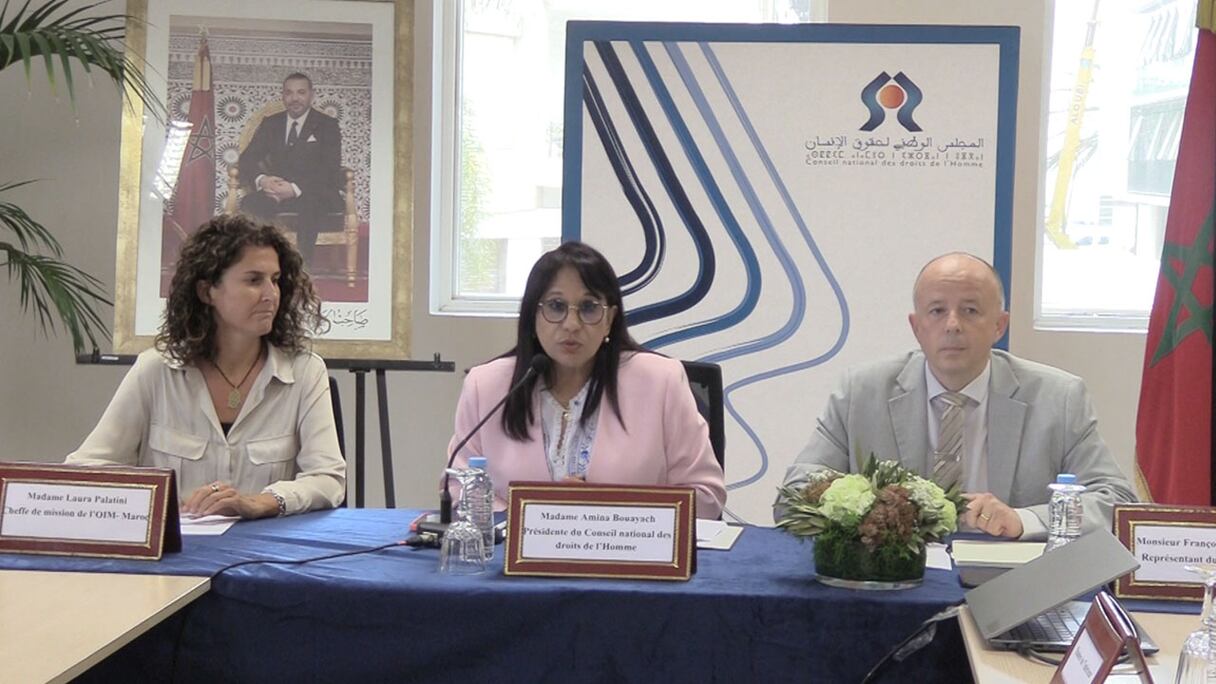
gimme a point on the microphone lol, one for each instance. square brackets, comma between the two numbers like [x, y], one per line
[536, 366]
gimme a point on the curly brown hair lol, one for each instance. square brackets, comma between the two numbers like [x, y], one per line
[188, 331]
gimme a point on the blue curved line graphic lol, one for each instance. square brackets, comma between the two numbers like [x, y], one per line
[692, 221]
[869, 98]
[745, 121]
[904, 115]
[758, 212]
[713, 191]
[631, 186]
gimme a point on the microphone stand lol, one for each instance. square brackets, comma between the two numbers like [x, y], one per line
[537, 365]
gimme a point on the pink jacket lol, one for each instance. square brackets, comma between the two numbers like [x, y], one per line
[667, 441]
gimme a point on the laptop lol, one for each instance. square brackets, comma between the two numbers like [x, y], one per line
[1030, 606]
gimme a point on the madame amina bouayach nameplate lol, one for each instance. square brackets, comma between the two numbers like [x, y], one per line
[595, 530]
[110, 511]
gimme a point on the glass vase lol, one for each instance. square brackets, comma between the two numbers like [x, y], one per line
[847, 562]
[1197, 660]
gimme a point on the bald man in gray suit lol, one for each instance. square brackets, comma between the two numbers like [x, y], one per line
[1023, 422]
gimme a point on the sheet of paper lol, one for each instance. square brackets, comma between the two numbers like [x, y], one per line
[716, 535]
[937, 557]
[207, 524]
[708, 529]
[995, 553]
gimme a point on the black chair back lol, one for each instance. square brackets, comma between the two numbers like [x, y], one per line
[705, 381]
[336, 400]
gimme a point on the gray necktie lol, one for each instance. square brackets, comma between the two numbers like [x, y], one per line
[948, 459]
[294, 134]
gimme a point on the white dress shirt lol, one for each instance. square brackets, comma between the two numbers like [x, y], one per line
[283, 440]
[299, 126]
[975, 439]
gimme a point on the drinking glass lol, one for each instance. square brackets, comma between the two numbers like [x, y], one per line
[462, 551]
[1197, 661]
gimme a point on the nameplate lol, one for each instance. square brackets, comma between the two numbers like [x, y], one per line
[1104, 637]
[560, 529]
[111, 511]
[1165, 539]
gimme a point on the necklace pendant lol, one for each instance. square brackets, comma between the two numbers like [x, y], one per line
[234, 398]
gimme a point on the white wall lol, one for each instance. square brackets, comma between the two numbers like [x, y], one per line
[48, 404]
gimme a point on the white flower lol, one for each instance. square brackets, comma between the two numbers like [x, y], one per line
[848, 498]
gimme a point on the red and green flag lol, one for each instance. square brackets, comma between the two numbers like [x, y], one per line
[1174, 424]
[194, 190]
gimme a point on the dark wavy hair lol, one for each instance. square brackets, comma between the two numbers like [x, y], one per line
[600, 279]
[188, 331]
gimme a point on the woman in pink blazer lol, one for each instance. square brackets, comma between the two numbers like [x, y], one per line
[605, 410]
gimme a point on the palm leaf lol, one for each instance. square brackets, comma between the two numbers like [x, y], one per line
[57, 291]
[92, 40]
[30, 234]
[53, 289]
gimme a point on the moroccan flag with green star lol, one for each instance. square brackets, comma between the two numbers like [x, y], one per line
[1174, 425]
[194, 192]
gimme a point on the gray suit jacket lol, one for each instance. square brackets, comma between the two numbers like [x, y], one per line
[1040, 424]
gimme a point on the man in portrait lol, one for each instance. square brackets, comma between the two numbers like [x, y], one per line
[291, 170]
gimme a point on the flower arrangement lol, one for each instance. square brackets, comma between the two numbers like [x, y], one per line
[871, 526]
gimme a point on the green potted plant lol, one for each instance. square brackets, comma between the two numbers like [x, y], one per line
[39, 38]
[870, 528]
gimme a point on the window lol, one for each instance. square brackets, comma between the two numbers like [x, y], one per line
[500, 132]
[1119, 78]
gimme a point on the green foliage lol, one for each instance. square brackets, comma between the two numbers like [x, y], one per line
[52, 288]
[90, 40]
[838, 553]
[48, 285]
[478, 257]
[884, 505]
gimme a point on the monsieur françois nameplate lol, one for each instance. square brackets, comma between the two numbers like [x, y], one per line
[595, 530]
[1165, 539]
[113, 511]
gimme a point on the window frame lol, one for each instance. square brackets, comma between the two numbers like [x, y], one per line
[1079, 320]
[445, 174]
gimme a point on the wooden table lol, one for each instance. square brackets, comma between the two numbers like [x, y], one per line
[56, 625]
[990, 666]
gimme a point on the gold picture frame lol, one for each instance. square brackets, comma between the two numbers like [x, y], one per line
[378, 328]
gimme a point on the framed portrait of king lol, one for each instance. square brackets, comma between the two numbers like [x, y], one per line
[294, 112]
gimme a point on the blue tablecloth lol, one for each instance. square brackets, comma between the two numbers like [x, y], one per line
[754, 612]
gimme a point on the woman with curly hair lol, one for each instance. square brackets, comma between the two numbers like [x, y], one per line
[230, 398]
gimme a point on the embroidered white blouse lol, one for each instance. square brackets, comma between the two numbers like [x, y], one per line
[568, 440]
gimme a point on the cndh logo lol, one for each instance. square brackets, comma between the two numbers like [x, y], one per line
[881, 94]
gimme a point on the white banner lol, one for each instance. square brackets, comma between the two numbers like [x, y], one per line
[767, 195]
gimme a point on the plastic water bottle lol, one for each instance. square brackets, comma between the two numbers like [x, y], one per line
[479, 500]
[1065, 510]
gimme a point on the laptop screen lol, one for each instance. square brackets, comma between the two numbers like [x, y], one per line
[1023, 592]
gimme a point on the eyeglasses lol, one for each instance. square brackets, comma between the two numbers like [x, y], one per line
[590, 311]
